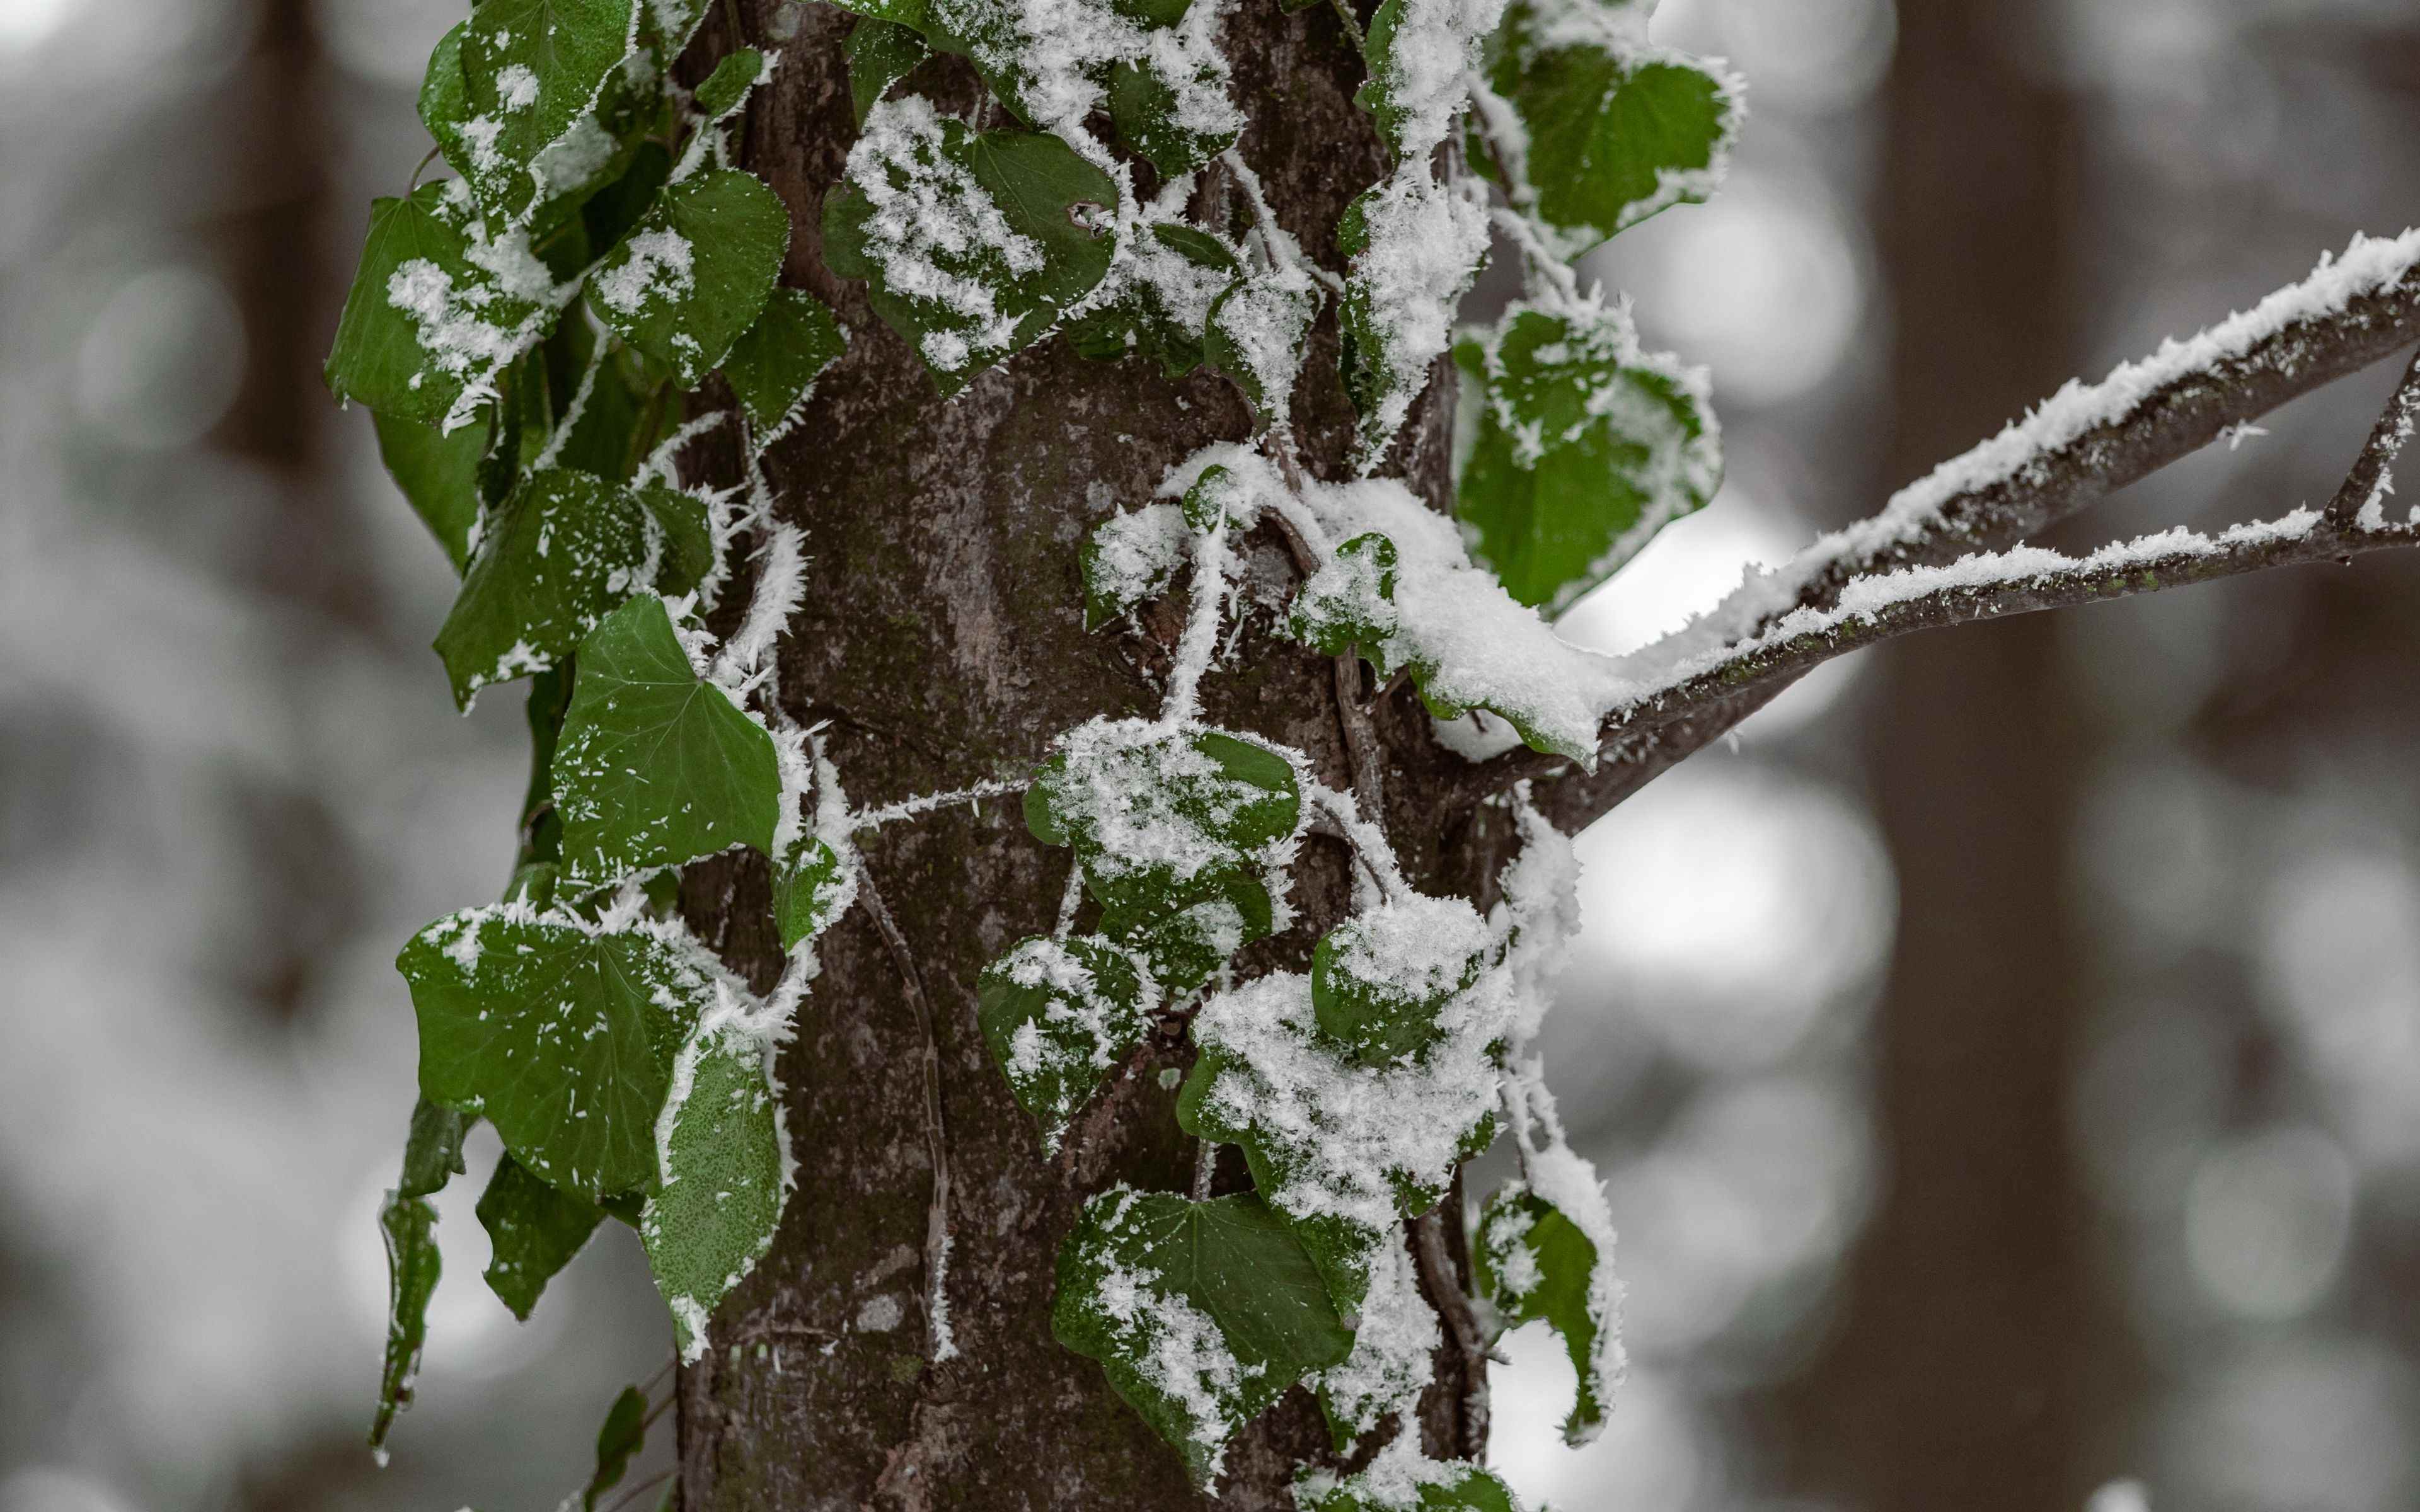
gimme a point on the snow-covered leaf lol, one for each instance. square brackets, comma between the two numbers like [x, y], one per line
[695, 271]
[564, 548]
[1394, 1485]
[972, 244]
[561, 1035]
[535, 72]
[725, 1179]
[432, 1151]
[1257, 329]
[657, 765]
[445, 97]
[1417, 52]
[1585, 447]
[1185, 931]
[880, 53]
[775, 363]
[1202, 1313]
[1130, 558]
[807, 891]
[623, 1434]
[1160, 307]
[1415, 247]
[436, 310]
[1171, 107]
[533, 1230]
[1058, 1015]
[1612, 129]
[1349, 602]
[1379, 981]
[1532, 1261]
[409, 1226]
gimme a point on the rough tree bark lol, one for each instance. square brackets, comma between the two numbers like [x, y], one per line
[941, 643]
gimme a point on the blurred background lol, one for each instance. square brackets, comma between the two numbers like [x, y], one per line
[2004, 1060]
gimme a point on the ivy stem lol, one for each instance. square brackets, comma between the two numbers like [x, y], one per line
[1205, 1168]
[937, 1223]
[1444, 1286]
[1352, 25]
[419, 168]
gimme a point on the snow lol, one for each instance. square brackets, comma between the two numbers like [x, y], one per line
[1426, 241]
[1393, 1346]
[660, 266]
[1434, 45]
[1136, 554]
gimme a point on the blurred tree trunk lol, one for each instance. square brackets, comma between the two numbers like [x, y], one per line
[940, 643]
[1951, 1380]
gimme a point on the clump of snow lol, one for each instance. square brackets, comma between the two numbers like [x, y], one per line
[1425, 242]
[1135, 555]
[661, 266]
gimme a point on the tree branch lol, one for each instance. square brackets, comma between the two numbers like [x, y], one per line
[2075, 450]
[2368, 482]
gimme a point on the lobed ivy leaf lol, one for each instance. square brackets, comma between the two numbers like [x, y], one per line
[880, 53]
[972, 245]
[1455, 1485]
[725, 1179]
[533, 1230]
[1201, 1314]
[810, 887]
[409, 1226]
[428, 325]
[1530, 1261]
[1059, 1016]
[437, 474]
[773, 365]
[1161, 307]
[1184, 932]
[1377, 990]
[1130, 558]
[561, 1035]
[564, 548]
[1613, 132]
[1585, 447]
[657, 765]
[1349, 603]
[1156, 104]
[696, 270]
[1256, 332]
[432, 1151]
[535, 72]
[619, 1440]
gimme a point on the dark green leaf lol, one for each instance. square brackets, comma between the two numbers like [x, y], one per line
[1208, 501]
[618, 1441]
[774, 365]
[725, 1177]
[1379, 979]
[533, 1232]
[807, 891]
[1184, 932]
[561, 1036]
[611, 212]
[433, 1152]
[880, 53]
[656, 766]
[1460, 1487]
[1200, 1312]
[409, 1227]
[1037, 251]
[1256, 333]
[726, 89]
[445, 97]
[563, 550]
[1149, 110]
[1531, 1261]
[1162, 305]
[439, 474]
[535, 72]
[1059, 1016]
[1349, 603]
[696, 270]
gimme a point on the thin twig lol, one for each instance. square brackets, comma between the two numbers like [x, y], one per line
[937, 1223]
[1445, 1292]
[2396, 426]
[1361, 746]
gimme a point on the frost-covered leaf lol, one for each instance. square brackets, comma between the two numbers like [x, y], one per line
[1130, 558]
[972, 244]
[880, 53]
[1532, 1260]
[436, 310]
[725, 1177]
[1380, 980]
[1415, 247]
[533, 1230]
[432, 1151]
[808, 887]
[535, 72]
[1171, 107]
[409, 1226]
[1209, 500]
[695, 271]
[1585, 447]
[657, 765]
[1257, 329]
[561, 1035]
[1403, 1484]
[1202, 1313]
[438, 477]
[608, 215]
[1160, 306]
[775, 363]
[1059, 1016]
[1416, 51]
[726, 89]
[1611, 128]
[619, 1440]
[1350, 601]
[1184, 932]
[563, 550]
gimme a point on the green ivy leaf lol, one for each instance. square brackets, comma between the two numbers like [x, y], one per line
[426, 328]
[1530, 1261]
[1131, 791]
[725, 1177]
[727, 88]
[1059, 1016]
[1162, 304]
[611, 212]
[618, 1441]
[1208, 501]
[972, 245]
[560, 1035]
[445, 97]
[1378, 983]
[433, 1152]
[809, 888]
[533, 1232]
[535, 73]
[1257, 330]
[1614, 133]
[1585, 447]
[774, 364]
[1349, 603]
[880, 53]
[1200, 1312]
[438, 477]
[1149, 107]
[1184, 932]
[1458, 1486]
[409, 1227]
[564, 548]
[657, 765]
[1130, 558]
[1415, 247]
[695, 271]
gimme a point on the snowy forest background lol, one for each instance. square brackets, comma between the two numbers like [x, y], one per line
[2005, 1062]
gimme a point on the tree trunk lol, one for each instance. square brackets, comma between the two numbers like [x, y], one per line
[940, 643]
